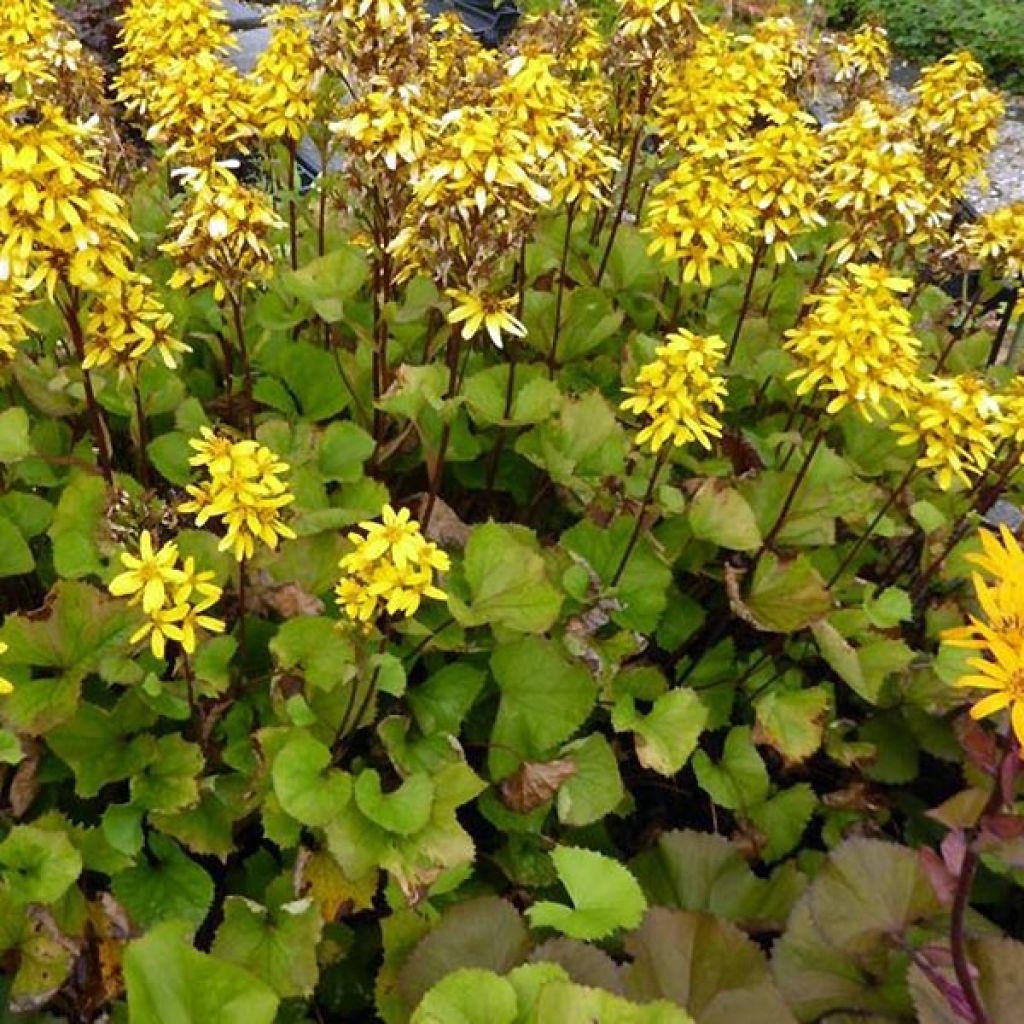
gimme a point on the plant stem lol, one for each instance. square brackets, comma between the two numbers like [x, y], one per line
[794, 489]
[452, 351]
[293, 219]
[755, 264]
[499, 443]
[140, 415]
[100, 431]
[560, 294]
[634, 150]
[862, 539]
[639, 525]
[236, 315]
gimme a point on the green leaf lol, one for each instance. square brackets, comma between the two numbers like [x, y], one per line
[169, 982]
[534, 397]
[468, 996]
[443, 701]
[707, 967]
[278, 946]
[605, 896]
[740, 779]
[15, 444]
[786, 595]
[327, 281]
[841, 949]
[102, 746]
[342, 451]
[667, 735]
[167, 885]
[38, 865]
[10, 748]
[315, 645]
[74, 630]
[890, 608]
[76, 526]
[783, 818]
[29, 513]
[596, 788]
[170, 781]
[704, 872]
[722, 516]
[545, 698]
[314, 378]
[792, 721]
[169, 454]
[309, 789]
[484, 932]
[642, 592]
[508, 581]
[15, 555]
[404, 811]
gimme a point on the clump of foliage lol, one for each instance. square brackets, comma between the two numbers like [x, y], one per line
[545, 571]
[925, 30]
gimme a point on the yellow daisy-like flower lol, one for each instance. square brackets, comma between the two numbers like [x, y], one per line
[679, 393]
[195, 621]
[389, 569]
[488, 312]
[1002, 674]
[162, 624]
[6, 686]
[996, 240]
[857, 343]
[958, 421]
[149, 575]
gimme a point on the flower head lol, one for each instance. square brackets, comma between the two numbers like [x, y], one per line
[856, 343]
[487, 312]
[389, 569]
[244, 489]
[996, 240]
[957, 421]
[678, 393]
[282, 99]
[150, 575]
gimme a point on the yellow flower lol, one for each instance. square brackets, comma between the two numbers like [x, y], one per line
[6, 686]
[1001, 600]
[161, 625]
[244, 491]
[391, 568]
[484, 311]
[862, 59]
[679, 393]
[856, 343]
[221, 235]
[196, 581]
[996, 240]
[149, 575]
[697, 217]
[194, 621]
[14, 328]
[1003, 675]
[956, 121]
[957, 420]
[282, 100]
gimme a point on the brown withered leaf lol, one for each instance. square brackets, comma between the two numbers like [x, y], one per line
[981, 747]
[445, 526]
[288, 600]
[740, 452]
[25, 784]
[534, 783]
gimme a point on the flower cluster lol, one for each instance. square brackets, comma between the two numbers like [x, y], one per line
[862, 60]
[856, 343]
[958, 423]
[220, 235]
[285, 80]
[244, 489]
[127, 322]
[999, 634]
[390, 569]
[956, 121]
[175, 596]
[996, 240]
[700, 220]
[679, 393]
